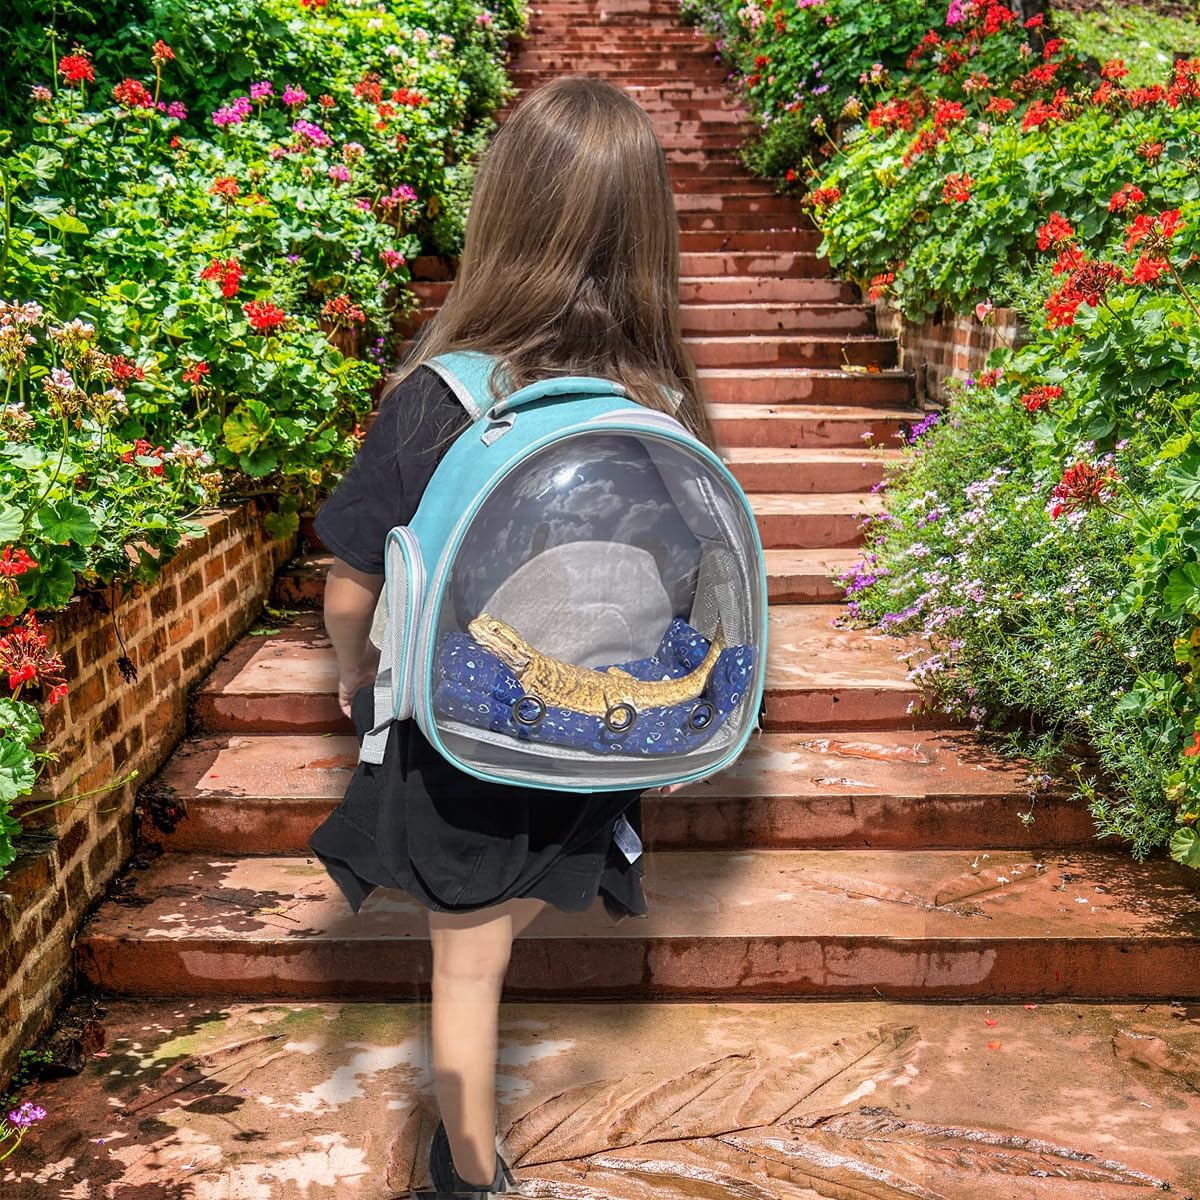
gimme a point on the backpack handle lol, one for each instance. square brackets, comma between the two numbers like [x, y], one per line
[565, 385]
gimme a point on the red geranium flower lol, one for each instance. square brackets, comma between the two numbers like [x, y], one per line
[264, 317]
[1114, 69]
[957, 188]
[226, 187]
[1156, 232]
[195, 373]
[1000, 106]
[1083, 485]
[1150, 151]
[1148, 269]
[1127, 195]
[15, 561]
[1060, 307]
[162, 53]
[341, 310]
[25, 657]
[822, 197]
[226, 272]
[1039, 397]
[1055, 231]
[76, 68]
[879, 285]
[122, 371]
[129, 93]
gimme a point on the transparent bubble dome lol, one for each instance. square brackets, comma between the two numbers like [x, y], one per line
[601, 620]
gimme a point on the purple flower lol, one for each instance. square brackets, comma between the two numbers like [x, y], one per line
[23, 1117]
[922, 427]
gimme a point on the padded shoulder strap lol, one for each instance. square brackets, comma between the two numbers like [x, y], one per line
[466, 373]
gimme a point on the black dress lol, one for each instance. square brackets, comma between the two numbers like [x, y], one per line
[414, 821]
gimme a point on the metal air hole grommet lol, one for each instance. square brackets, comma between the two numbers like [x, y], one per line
[519, 710]
[701, 717]
[620, 718]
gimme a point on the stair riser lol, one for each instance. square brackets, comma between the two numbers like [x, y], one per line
[785, 263]
[686, 185]
[764, 241]
[732, 289]
[714, 204]
[788, 708]
[772, 319]
[432, 285]
[805, 479]
[768, 388]
[796, 430]
[788, 351]
[283, 826]
[802, 531]
[808, 964]
[734, 224]
[802, 587]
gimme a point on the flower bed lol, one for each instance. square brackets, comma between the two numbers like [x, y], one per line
[188, 277]
[1040, 538]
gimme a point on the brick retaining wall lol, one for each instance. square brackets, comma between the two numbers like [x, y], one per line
[174, 630]
[945, 346]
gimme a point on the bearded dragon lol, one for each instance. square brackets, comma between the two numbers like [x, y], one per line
[582, 689]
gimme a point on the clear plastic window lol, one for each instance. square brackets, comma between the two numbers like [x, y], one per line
[601, 620]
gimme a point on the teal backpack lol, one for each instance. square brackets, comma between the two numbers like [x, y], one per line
[580, 600]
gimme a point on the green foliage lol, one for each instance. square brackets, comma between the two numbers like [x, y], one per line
[801, 69]
[1043, 536]
[195, 305]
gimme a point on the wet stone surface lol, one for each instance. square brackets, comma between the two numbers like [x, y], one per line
[635, 1102]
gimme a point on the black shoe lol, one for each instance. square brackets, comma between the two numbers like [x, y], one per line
[447, 1181]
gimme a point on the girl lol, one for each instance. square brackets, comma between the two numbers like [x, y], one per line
[570, 266]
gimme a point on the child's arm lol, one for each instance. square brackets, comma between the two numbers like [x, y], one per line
[350, 598]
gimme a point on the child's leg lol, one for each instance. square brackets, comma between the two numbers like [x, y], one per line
[470, 959]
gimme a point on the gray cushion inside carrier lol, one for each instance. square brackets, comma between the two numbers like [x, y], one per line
[592, 603]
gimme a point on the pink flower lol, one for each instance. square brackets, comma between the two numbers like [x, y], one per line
[263, 90]
[294, 95]
[339, 173]
[984, 310]
[392, 259]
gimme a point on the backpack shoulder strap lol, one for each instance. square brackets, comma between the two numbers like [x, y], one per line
[466, 373]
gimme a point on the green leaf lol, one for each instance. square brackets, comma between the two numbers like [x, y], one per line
[65, 521]
[247, 427]
[1185, 847]
[12, 524]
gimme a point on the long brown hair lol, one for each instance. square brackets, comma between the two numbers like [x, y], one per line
[570, 263]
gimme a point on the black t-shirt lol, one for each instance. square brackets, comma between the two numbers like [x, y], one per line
[414, 427]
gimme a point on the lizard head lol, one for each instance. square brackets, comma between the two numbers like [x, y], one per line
[502, 640]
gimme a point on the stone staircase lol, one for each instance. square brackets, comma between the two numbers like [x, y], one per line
[855, 852]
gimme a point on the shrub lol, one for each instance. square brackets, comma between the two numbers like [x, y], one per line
[194, 306]
[1041, 536]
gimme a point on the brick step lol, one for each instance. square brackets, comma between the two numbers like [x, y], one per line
[736, 223]
[707, 241]
[673, 57]
[265, 794]
[686, 184]
[803, 472]
[755, 350]
[765, 262]
[1092, 1107]
[804, 385]
[731, 124]
[814, 521]
[738, 201]
[743, 293]
[584, 34]
[951, 924]
[807, 576]
[808, 426]
[817, 676]
[793, 576]
[708, 78]
[735, 367]
[769, 318]
[764, 289]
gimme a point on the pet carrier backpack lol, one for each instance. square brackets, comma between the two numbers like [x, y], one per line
[579, 601]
